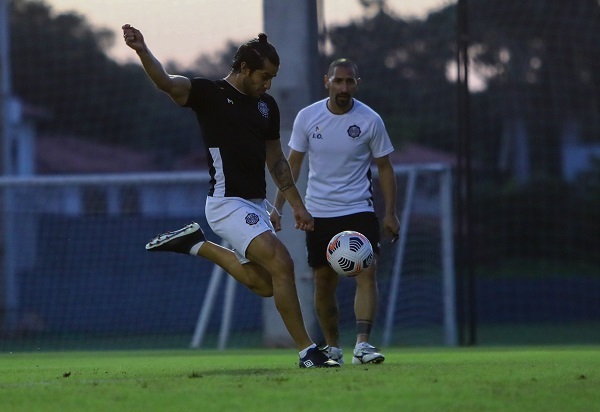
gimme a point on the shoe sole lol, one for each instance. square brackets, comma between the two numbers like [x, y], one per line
[169, 236]
[378, 360]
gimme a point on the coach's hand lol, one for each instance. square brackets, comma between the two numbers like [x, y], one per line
[391, 225]
[304, 220]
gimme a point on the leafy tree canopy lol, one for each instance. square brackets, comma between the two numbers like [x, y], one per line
[531, 58]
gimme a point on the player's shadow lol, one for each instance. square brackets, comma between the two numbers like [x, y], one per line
[274, 372]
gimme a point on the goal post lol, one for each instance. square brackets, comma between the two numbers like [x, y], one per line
[426, 191]
[74, 264]
[442, 175]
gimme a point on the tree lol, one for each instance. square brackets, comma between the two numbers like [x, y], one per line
[535, 60]
[60, 65]
[539, 61]
[403, 69]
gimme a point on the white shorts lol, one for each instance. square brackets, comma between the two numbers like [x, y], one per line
[237, 221]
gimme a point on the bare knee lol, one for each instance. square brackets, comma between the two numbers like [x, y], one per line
[267, 251]
[326, 281]
[259, 280]
[263, 290]
[368, 276]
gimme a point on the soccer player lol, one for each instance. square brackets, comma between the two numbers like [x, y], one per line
[240, 127]
[342, 136]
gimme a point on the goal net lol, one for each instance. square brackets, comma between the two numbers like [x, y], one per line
[76, 273]
[416, 274]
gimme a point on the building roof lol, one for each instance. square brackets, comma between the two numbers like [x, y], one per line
[410, 154]
[70, 155]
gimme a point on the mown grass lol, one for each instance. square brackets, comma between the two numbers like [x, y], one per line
[528, 379]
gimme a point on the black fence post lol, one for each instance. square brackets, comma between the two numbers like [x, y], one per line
[466, 295]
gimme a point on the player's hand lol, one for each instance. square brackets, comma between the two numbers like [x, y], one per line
[275, 219]
[133, 38]
[304, 220]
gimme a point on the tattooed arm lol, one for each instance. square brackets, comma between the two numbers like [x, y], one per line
[284, 180]
[295, 161]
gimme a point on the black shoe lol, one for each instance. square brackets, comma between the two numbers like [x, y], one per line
[333, 353]
[316, 359]
[178, 241]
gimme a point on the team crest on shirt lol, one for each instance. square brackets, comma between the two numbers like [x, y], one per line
[354, 131]
[252, 218]
[263, 108]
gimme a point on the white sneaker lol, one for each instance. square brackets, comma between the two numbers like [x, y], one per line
[365, 353]
[333, 353]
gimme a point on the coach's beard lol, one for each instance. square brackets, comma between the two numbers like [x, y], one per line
[343, 100]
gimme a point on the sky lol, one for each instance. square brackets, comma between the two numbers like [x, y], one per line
[181, 30]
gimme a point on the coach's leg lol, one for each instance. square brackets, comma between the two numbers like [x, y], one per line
[326, 305]
[269, 252]
[365, 302]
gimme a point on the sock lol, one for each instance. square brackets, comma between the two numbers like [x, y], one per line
[305, 350]
[363, 326]
[194, 250]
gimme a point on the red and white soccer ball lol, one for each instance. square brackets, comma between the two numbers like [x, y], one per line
[349, 253]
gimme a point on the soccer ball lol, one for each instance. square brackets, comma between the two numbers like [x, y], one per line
[349, 253]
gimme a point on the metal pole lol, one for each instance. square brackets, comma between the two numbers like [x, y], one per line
[207, 307]
[8, 283]
[465, 180]
[398, 259]
[449, 284]
[5, 89]
[5, 86]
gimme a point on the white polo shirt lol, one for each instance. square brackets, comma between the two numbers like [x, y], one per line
[340, 148]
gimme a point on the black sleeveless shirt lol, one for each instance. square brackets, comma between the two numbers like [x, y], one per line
[234, 127]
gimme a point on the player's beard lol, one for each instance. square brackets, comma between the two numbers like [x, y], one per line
[251, 89]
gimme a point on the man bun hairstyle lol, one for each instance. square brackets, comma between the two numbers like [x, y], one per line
[254, 53]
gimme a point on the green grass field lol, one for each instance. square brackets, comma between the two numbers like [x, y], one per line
[528, 379]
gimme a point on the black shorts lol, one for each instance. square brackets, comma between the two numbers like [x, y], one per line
[327, 227]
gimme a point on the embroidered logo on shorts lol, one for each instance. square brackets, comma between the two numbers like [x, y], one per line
[252, 218]
[354, 131]
[263, 108]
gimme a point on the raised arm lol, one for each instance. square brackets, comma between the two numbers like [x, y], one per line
[178, 87]
[286, 184]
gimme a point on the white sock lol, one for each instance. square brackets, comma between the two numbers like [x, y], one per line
[194, 250]
[303, 351]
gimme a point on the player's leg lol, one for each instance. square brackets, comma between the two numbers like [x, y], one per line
[268, 251]
[265, 261]
[249, 274]
[190, 239]
[257, 259]
[245, 225]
